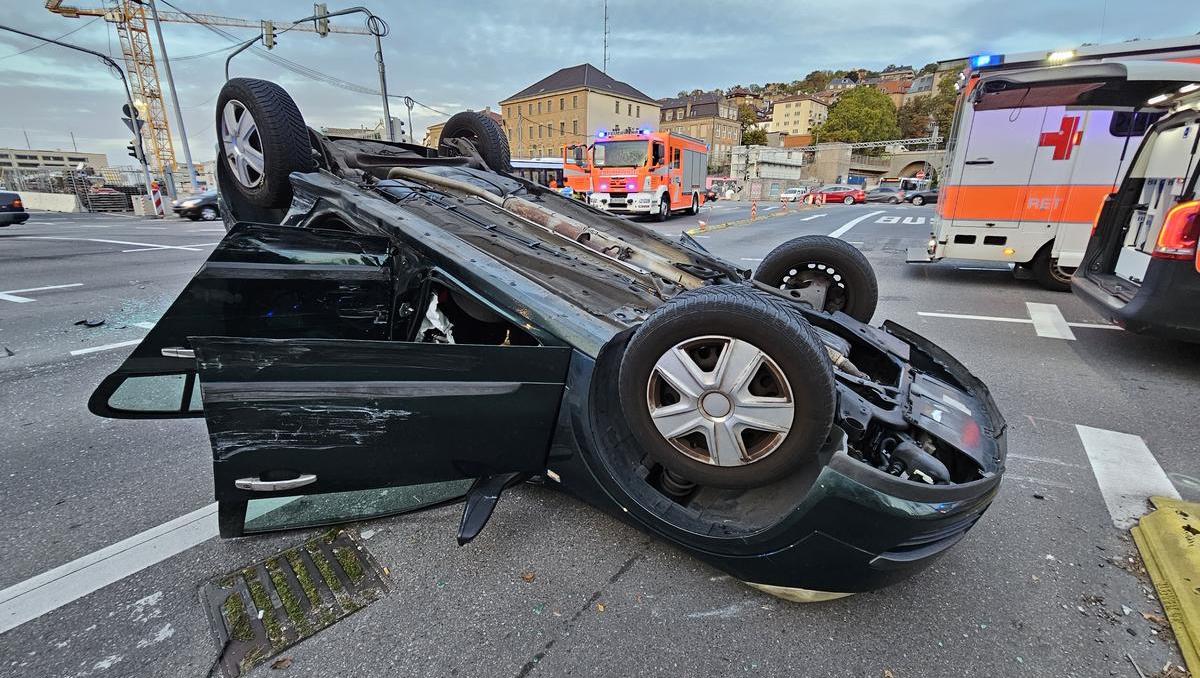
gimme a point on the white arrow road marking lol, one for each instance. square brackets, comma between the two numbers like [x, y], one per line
[1048, 321]
[1128, 474]
[815, 216]
[11, 295]
[852, 223]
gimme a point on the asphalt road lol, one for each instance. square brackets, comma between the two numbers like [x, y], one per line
[1036, 588]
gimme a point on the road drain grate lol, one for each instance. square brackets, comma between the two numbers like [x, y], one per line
[262, 609]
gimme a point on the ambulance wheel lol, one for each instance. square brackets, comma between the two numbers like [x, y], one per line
[825, 273]
[695, 204]
[664, 209]
[1048, 273]
[918, 200]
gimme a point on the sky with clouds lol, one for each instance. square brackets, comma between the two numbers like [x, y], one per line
[461, 54]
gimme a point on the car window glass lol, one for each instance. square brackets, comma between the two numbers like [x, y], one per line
[274, 513]
[150, 393]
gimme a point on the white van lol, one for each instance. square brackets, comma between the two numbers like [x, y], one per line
[1035, 151]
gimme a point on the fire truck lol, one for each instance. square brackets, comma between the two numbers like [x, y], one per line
[639, 172]
[1040, 138]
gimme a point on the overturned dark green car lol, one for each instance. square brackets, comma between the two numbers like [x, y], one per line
[388, 327]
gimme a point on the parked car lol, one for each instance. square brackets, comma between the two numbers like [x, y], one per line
[843, 193]
[385, 315]
[886, 194]
[12, 210]
[197, 207]
[793, 194]
[1141, 268]
[919, 198]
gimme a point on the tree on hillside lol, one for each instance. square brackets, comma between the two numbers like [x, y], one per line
[816, 81]
[747, 117]
[942, 105]
[754, 137]
[928, 68]
[915, 115]
[862, 114]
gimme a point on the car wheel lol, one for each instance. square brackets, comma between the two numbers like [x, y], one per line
[848, 200]
[918, 200]
[695, 204]
[894, 201]
[1048, 273]
[263, 139]
[826, 273]
[727, 387]
[482, 131]
[208, 213]
[664, 209]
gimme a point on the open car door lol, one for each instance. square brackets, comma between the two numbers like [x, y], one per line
[298, 346]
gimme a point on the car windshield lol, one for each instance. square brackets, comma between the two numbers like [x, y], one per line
[621, 153]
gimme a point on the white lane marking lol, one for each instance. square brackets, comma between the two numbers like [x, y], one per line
[106, 347]
[1096, 326]
[815, 216]
[151, 228]
[51, 590]
[1048, 321]
[145, 245]
[751, 258]
[93, 225]
[145, 326]
[11, 295]
[963, 316]
[855, 242]
[1043, 460]
[221, 230]
[1128, 474]
[768, 209]
[853, 222]
[982, 268]
[1038, 481]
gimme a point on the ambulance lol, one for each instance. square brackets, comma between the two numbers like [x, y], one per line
[639, 172]
[1040, 139]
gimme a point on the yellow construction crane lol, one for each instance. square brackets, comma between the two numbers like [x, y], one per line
[130, 18]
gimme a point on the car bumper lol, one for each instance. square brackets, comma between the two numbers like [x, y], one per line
[13, 218]
[188, 212]
[1166, 304]
[631, 203]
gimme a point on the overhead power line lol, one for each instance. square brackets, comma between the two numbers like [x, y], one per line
[43, 44]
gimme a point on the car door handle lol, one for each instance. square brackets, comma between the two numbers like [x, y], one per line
[980, 161]
[177, 352]
[256, 485]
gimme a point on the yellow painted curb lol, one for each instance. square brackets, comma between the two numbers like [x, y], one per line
[1169, 541]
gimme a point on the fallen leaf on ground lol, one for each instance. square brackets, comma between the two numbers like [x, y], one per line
[528, 576]
[599, 607]
[281, 663]
[887, 673]
[1154, 618]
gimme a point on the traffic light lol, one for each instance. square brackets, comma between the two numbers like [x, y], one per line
[322, 22]
[135, 151]
[268, 33]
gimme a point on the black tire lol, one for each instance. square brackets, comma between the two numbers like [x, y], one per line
[280, 135]
[894, 201]
[485, 133]
[856, 293]
[765, 322]
[664, 209]
[848, 200]
[918, 200]
[208, 213]
[695, 204]
[194, 218]
[1048, 273]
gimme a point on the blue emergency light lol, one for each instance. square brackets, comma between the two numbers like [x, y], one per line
[600, 134]
[984, 60]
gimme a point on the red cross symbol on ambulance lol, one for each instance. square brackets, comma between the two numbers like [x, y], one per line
[1067, 137]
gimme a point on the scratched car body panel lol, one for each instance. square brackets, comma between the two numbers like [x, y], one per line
[414, 326]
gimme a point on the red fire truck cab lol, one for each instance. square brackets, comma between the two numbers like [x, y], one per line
[640, 172]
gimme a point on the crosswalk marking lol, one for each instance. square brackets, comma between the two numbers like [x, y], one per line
[1126, 471]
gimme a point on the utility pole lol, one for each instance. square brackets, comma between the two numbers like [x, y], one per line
[28, 146]
[73, 144]
[408, 102]
[187, 152]
[605, 67]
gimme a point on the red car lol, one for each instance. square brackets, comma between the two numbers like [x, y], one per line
[842, 193]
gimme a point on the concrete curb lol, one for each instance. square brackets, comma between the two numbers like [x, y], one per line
[742, 222]
[1167, 541]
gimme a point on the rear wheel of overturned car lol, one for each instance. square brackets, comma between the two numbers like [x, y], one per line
[727, 386]
[485, 133]
[262, 139]
[826, 273]
[1049, 273]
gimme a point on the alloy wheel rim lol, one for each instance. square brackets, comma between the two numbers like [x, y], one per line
[242, 144]
[208, 213]
[720, 401]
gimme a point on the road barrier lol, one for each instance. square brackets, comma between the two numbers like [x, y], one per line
[753, 210]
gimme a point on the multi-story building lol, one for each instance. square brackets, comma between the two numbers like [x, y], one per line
[797, 114]
[740, 96]
[838, 84]
[895, 89]
[920, 87]
[709, 117]
[898, 74]
[433, 133]
[568, 107]
[20, 158]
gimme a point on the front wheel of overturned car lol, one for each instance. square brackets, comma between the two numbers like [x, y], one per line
[826, 273]
[727, 387]
[262, 139]
[485, 133]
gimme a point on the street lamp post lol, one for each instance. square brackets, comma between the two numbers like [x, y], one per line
[137, 132]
